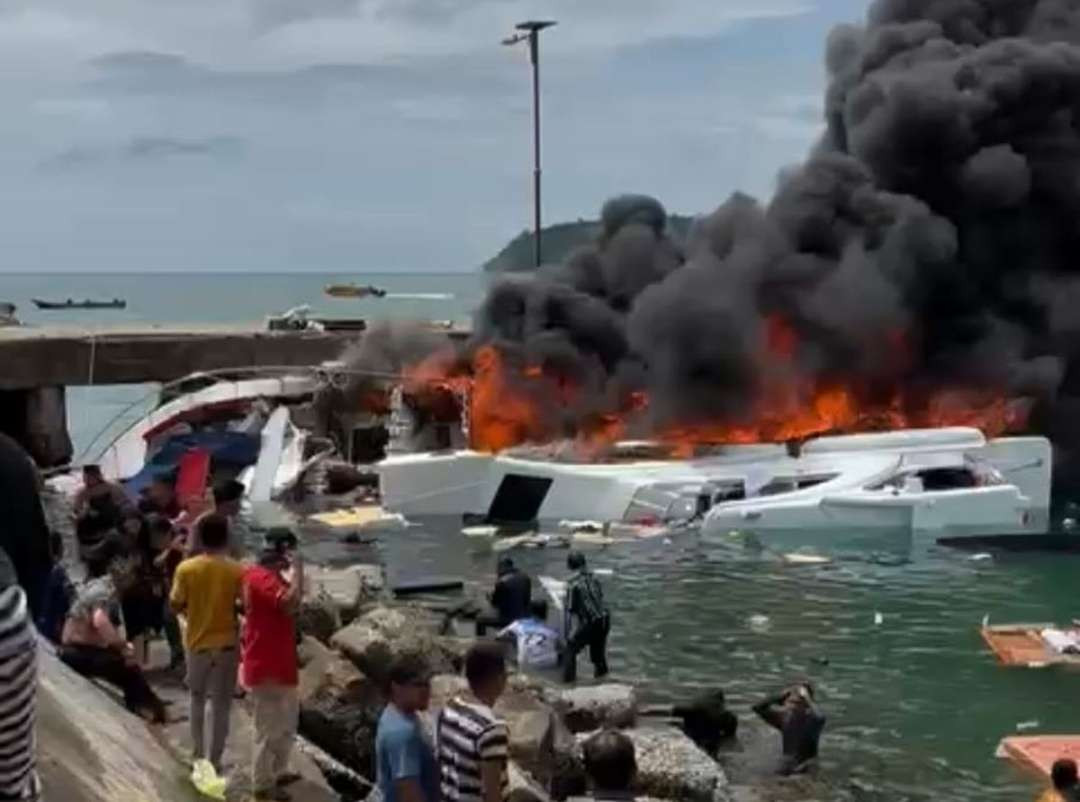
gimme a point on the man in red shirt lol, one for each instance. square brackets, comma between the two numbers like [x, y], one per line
[269, 667]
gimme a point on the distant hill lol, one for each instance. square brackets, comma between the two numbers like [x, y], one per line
[559, 240]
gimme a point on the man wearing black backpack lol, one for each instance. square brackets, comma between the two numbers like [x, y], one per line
[588, 620]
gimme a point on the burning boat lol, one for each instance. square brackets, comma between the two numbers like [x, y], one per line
[938, 482]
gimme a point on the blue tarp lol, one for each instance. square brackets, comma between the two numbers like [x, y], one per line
[227, 449]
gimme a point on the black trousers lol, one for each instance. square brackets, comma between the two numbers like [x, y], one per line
[593, 635]
[109, 665]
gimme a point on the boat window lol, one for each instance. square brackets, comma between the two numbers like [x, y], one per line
[948, 478]
[730, 491]
[789, 484]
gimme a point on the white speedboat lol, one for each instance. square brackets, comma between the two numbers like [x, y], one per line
[242, 422]
[943, 482]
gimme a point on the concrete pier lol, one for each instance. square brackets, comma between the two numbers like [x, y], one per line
[66, 356]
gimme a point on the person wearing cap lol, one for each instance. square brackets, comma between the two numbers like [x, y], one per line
[405, 767]
[269, 664]
[510, 598]
[588, 620]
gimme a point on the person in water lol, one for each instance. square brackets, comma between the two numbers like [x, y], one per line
[538, 646]
[800, 722]
[588, 620]
[1065, 786]
[510, 598]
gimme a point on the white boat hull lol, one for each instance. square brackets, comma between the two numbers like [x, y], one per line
[860, 484]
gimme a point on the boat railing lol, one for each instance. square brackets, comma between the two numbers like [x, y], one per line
[327, 374]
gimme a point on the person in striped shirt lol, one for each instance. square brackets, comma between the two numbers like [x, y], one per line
[587, 619]
[471, 741]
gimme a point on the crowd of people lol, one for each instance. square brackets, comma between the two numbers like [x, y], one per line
[154, 566]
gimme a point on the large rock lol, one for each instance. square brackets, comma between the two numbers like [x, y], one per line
[319, 616]
[344, 727]
[671, 766]
[522, 787]
[594, 707]
[322, 669]
[375, 639]
[346, 589]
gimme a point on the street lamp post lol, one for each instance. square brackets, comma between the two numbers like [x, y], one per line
[530, 31]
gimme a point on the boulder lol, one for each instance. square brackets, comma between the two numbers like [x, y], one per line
[319, 616]
[375, 639]
[346, 588]
[594, 707]
[671, 766]
[344, 728]
[322, 669]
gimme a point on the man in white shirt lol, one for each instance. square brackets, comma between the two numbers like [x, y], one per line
[538, 645]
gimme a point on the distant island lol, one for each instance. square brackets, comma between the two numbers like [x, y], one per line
[560, 240]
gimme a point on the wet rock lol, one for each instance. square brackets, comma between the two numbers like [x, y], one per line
[670, 766]
[346, 588]
[589, 708]
[375, 639]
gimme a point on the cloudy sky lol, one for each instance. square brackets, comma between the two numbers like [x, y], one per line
[337, 135]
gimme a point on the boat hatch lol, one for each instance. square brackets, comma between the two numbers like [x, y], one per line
[518, 498]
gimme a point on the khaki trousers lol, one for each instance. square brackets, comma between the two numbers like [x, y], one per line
[277, 716]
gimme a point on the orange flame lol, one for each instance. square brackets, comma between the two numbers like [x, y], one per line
[512, 404]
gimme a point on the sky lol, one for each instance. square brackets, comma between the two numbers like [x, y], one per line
[380, 135]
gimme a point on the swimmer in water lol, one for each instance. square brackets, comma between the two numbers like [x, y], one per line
[800, 722]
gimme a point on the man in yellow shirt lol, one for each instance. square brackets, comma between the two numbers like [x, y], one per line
[1064, 779]
[206, 589]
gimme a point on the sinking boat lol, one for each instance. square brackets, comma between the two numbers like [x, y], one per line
[115, 303]
[354, 291]
[936, 482]
[243, 425]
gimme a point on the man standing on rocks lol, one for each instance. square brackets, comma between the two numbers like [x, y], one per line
[404, 760]
[269, 665]
[588, 620]
[206, 589]
[472, 742]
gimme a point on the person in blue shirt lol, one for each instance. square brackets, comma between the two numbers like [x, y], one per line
[405, 768]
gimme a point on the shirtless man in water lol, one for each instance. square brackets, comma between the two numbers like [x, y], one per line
[800, 723]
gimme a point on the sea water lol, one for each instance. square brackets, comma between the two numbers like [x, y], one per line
[916, 704]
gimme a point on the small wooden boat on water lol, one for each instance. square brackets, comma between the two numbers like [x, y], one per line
[354, 291]
[115, 303]
[1033, 645]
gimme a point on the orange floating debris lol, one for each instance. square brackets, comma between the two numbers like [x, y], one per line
[1024, 645]
[1038, 752]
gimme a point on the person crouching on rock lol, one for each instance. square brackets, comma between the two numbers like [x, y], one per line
[93, 647]
[610, 765]
[795, 714]
[588, 620]
[405, 768]
[509, 599]
[269, 665]
[537, 645]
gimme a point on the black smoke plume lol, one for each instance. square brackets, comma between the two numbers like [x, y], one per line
[931, 238]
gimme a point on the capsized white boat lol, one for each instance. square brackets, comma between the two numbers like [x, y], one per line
[949, 481]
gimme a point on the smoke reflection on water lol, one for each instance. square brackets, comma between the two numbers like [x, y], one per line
[916, 705]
